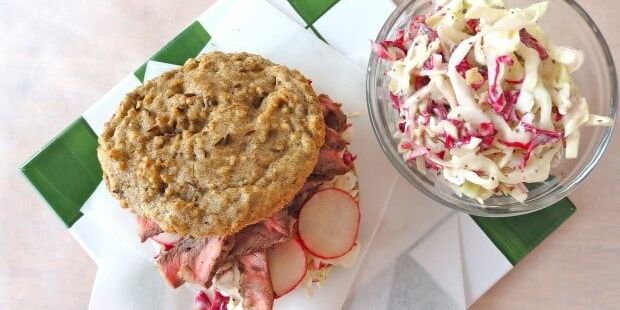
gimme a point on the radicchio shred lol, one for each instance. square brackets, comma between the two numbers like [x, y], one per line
[540, 137]
[531, 42]
[463, 66]
[202, 302]
[502, 101]
[396, 101]
[219, 301]
[396, 48]
[348, 158]
[472, 26]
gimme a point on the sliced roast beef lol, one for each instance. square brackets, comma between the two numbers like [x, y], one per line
[280, 222]
[331, 163]
[147, 228]
[256, 288]
[199, 264]
[193, 260]
[334, 140]
[315, 180]
[332, 113]
[263, 235]
[169, 264]
[197, 260]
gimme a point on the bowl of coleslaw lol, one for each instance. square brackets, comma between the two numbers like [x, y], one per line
[492, 108]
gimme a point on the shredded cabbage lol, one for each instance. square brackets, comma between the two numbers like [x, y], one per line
[485, 99]
[228, 284]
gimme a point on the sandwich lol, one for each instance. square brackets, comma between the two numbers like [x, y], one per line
[240, 174]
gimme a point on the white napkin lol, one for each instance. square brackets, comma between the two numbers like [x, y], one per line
[127, 278]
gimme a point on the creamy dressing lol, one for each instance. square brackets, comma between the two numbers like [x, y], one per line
[228, 284]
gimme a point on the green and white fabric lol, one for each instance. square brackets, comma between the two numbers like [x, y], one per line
[450, 259]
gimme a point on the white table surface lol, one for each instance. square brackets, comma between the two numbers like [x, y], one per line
[58, 57]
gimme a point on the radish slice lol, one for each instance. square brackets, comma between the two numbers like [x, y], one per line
[287, 266]
[328, 223]
[347, 260]
[168, 240]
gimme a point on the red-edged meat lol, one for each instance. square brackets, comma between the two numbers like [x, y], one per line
[281, 223]
[331, 163]
[169, 264]
[200, 263]
[197, 260]
[147, 228]
[334, 140]
[193, 260]
[332, 114]
[312, 183]
[256, 288]
[263, 235]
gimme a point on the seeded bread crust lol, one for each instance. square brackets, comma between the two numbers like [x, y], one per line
[218, 144]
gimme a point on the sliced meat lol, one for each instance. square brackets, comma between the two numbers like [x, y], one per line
[312, 183]
[315, 180]
[200, 262]
[332, 113]
[334, 140]
[256, 288]
[280, 222]
[197, 260]
[169, 265]
[263, 235]
[193, 260]
[147, 228]
[331, 163]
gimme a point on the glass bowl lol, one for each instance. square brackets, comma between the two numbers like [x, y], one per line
[566, 24]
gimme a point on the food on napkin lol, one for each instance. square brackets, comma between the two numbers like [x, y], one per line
[240, 173]
[485, 99]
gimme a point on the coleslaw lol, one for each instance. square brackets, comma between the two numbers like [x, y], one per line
[485, 99]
